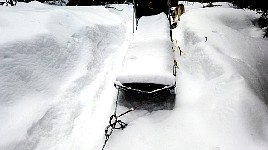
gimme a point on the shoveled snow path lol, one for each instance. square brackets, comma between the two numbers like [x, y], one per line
[88, 131]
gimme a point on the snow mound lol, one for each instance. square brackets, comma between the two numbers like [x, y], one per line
[225, 66]
[46, 51]
[149, 58]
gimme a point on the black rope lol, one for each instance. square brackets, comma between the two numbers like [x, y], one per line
[115, 123]
[116, 102]
[109, 6]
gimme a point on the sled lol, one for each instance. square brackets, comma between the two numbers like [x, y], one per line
[147, 80]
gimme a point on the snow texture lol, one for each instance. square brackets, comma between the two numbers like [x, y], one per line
[48, 56]
[149, 58]
[58, 66]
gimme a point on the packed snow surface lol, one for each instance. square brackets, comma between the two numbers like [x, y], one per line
[149, 58]
[58, 66]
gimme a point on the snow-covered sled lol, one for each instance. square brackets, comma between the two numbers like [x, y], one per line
[147, 79]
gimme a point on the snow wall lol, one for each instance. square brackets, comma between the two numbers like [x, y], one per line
[48, 55]
[224, 63]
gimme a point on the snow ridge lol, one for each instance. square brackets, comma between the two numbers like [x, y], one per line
[44, 75]
[210, 68]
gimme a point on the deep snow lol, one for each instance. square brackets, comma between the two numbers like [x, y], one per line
[151, 46]
[49, 56]
[58, 66]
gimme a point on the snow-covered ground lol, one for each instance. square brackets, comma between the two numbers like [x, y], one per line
[55, 65]
[58, 66]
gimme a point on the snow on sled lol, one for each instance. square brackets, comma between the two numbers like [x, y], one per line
[147, 80]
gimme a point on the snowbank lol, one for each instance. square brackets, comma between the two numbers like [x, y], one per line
[48, 55]
[225, 66]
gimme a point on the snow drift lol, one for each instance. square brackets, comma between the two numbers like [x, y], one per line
[227, 71]
[58, 66]
[48, 56]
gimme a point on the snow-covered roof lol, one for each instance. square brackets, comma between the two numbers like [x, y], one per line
[149, 58]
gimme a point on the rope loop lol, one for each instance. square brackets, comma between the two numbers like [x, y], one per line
[115, 123]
